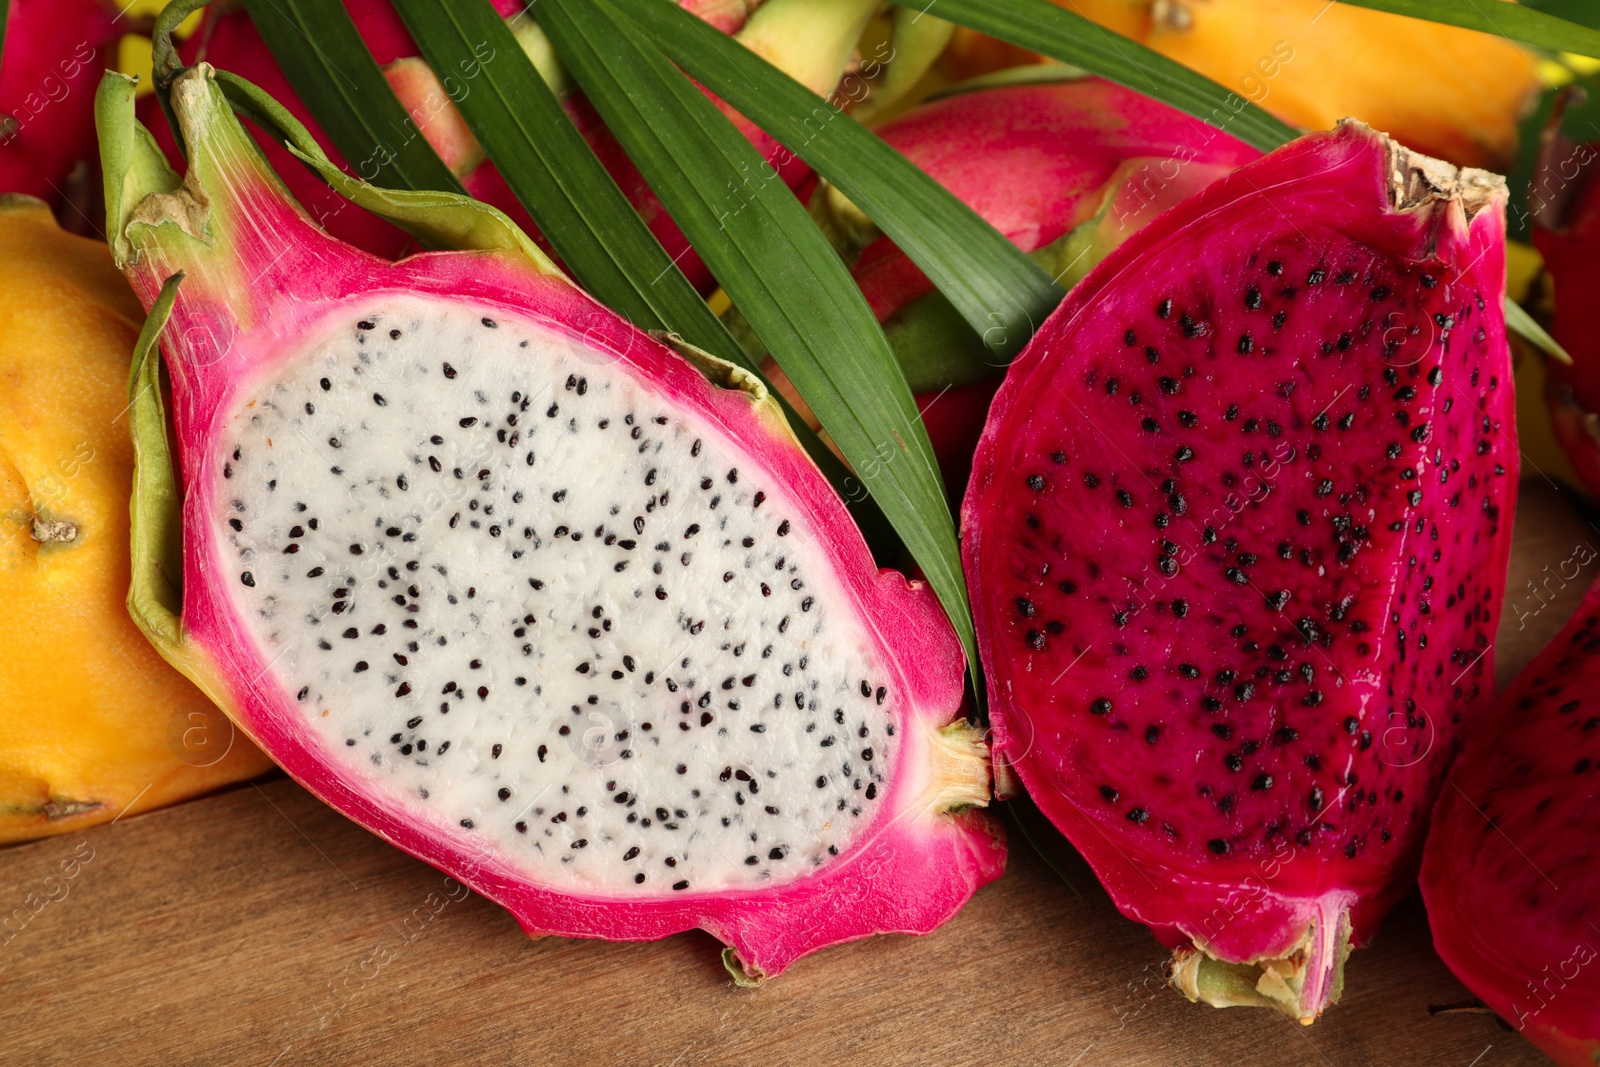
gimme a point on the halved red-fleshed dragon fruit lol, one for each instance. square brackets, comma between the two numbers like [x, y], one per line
[1508, 874]
[1237, 536]
[1067, 170]
[514, 585]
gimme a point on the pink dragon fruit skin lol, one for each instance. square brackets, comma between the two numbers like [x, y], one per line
[230, 42]
[259, 290]
[1566, 231]
[1508, 874]
[1035, 160]
[724, 15]
[54, 53]
[1236, 539]
[955, 418]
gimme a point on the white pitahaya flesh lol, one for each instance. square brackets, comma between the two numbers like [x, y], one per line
[1509, 874]
[517, 587]
[1236, 538]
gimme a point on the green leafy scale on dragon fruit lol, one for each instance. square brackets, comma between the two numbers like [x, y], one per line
[514, 585]
[1237, 536]
[1508, 874]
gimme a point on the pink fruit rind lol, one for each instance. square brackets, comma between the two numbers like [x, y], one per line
[724, 15]
[54, 53]
[1029, 158]
[1278, 908]
[1576, 428]
[1566, 231]
[263, 279]
[1508, 875]
[954, 418]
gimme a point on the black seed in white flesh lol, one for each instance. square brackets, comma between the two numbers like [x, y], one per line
[516, 602]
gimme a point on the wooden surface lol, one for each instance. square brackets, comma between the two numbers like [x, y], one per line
[260, 928]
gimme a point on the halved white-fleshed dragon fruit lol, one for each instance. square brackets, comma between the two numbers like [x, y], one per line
[1237, 536]
[523, 589]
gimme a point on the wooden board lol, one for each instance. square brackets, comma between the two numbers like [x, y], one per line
[259, 927]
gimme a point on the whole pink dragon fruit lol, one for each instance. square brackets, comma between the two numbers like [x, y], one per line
[514, 585]
[54, 53]
[1508, 874]
[229, 41]
[1066, 170]
[1236, 539]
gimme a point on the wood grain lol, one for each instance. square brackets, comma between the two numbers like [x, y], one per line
[259, 927]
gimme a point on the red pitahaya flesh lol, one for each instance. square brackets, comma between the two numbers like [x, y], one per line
[229, 41]
[1566, 230]
[512, 584]
[1508, 874]
[1044, 164]
[54, 53]
[1236, 539]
